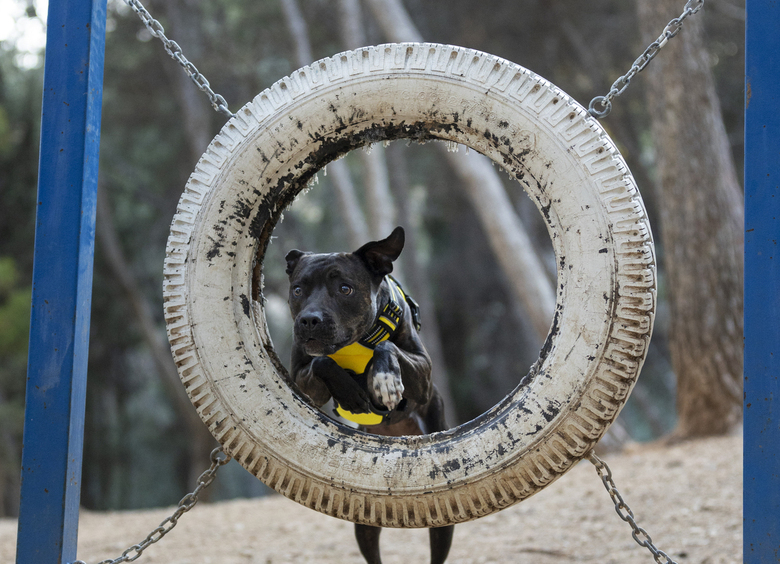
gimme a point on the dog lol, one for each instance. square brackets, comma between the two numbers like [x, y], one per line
[356, 342]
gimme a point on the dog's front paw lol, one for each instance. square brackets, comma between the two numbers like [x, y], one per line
[385, 382]
[388, 389]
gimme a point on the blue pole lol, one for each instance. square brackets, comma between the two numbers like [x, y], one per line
[62, 282]
[761, 503]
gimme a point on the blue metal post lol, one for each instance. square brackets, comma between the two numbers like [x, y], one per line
[762, 284]
[62, 282]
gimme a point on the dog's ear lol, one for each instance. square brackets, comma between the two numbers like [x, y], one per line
[292, 259]
[379, 255]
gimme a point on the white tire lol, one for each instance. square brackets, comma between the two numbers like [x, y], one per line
[269, 152]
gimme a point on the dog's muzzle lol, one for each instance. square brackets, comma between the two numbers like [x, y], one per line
[316, 334]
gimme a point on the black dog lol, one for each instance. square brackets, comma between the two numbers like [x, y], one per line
[356, 341]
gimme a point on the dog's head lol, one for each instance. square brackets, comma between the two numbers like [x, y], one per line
[333, 296]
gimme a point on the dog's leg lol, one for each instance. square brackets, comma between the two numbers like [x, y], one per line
[441, 540]
[368, 542]
[321, 378]
[433, 417]
[385, 383]
[440, 537]
[397, 373]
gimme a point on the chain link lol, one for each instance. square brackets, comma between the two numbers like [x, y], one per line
[640, 535]
[173, 49]
[186, 503]
[620, 85]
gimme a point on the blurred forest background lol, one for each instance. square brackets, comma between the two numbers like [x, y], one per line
[679, 126]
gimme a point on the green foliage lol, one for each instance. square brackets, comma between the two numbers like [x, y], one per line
[14, 310]
[6, 139]
[14, 328]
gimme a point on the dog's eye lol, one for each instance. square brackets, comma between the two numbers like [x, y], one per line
[346, 289]
[297, 291]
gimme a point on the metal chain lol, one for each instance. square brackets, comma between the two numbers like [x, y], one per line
[624, 511]
[186, 503]
[620, 85]
[173, 49]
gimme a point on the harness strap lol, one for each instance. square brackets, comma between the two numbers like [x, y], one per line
[356, 358]
[388, 319]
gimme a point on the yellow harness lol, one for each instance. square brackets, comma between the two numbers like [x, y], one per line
[357, 357]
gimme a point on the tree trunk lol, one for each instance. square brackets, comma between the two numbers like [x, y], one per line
[701, 209]
[9, 470]
[357, 230]
[524, 271]
[201, 440]
[521, 265]
[394, 21]
[351, 24]
[418, 280]
[299, 33]
[196, 110]
[379, 203]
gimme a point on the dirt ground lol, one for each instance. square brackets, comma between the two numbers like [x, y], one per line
[688, 497]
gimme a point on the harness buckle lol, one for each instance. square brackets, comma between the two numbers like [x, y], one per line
[415, 309]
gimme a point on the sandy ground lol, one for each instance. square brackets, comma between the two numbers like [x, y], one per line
[688, 497]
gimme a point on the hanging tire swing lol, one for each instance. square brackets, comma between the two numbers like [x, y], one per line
[271, 150]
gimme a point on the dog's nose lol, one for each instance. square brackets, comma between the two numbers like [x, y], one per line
[310, 320]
